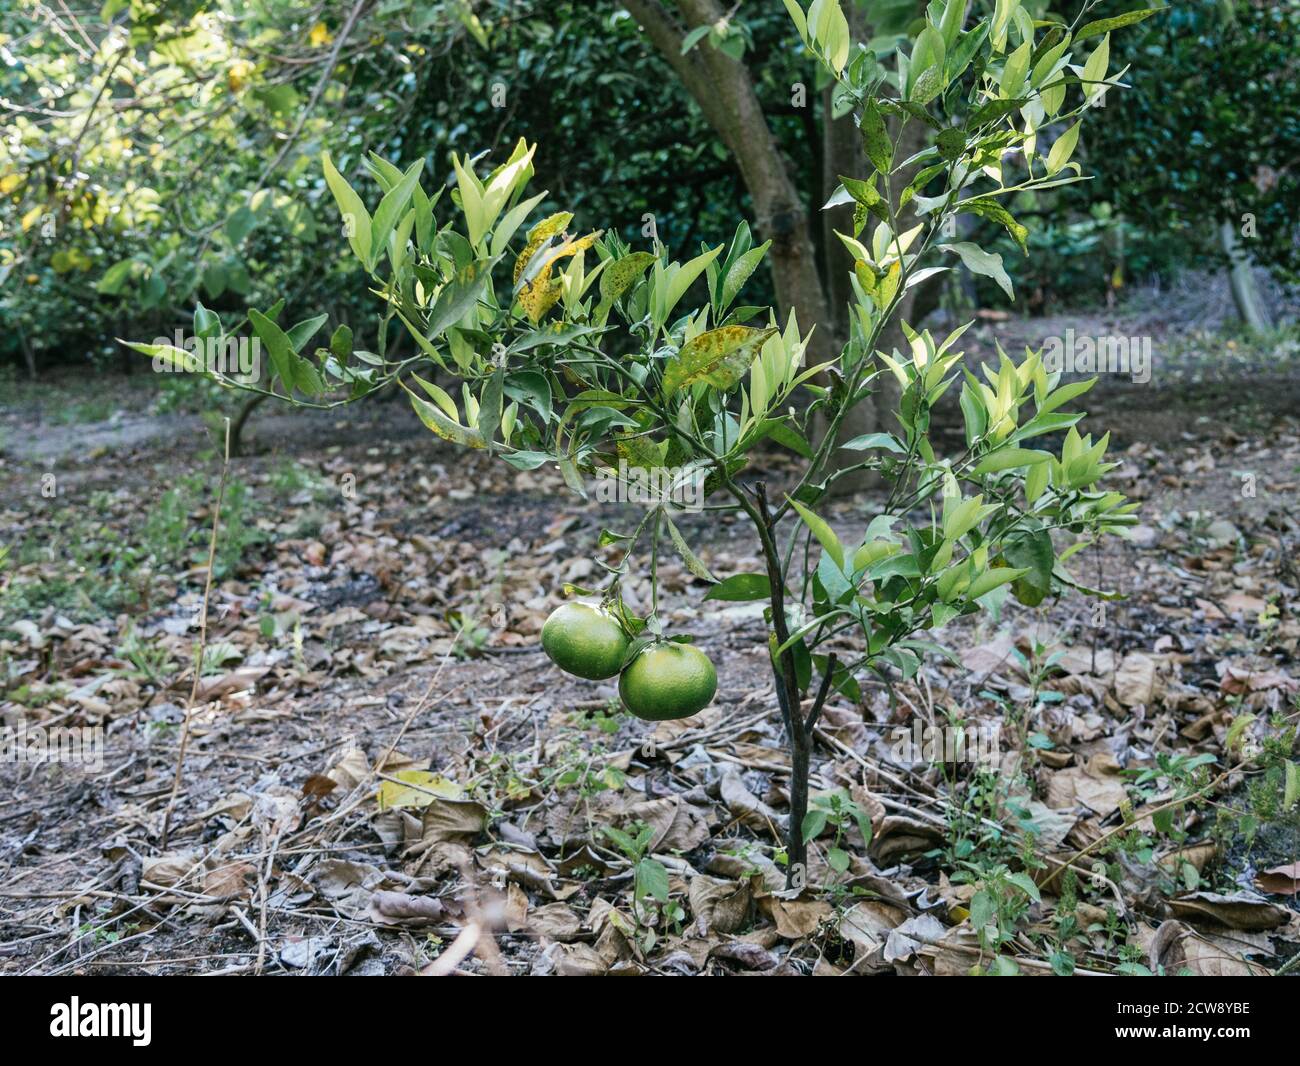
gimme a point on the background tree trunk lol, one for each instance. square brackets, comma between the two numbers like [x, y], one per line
[725, 94]
[1241, 278]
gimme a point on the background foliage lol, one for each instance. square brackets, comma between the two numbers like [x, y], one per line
[157, 153]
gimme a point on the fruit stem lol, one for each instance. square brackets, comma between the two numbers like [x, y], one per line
[654, 563]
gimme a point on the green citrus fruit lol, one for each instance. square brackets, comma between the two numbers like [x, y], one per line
[584, 640]
[668, 681]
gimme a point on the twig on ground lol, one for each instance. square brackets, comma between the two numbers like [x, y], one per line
[203, 643]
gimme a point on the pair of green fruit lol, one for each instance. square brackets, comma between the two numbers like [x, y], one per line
[664, 681]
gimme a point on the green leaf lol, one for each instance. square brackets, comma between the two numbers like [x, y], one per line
[681, 280]
[1036, 481]
[1062, 149]
[719, 356]
[995, 110]
[527, 460]
[115, 277]
[960, 518]
[177, 359]
[874, 440]
[1291, 789]
[1026, 884]
[489, 406]
[458, 297]
[624, 841]
[390, 209]
[694, 37]
[875, 138]
[929, 84]
[951, 143]
[341, 343]
[278, 346]
[1063, 395]
[740, 272]
[652, 880]
[1096, 29]
[356, 219]
[813, 823]
[825, 535]
[798, 18]
[986, 207]
[740, 588]
[301, 333]
[692, 561]
[992, 579]
[240, 223]
[1033, 553]
[440, 417]
[1008, 458]
[978, 261]
[785, 435]
[206, 323]
[1236, 729]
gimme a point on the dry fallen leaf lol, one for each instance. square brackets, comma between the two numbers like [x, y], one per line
[719, 906]
[392, 908]
[1280, 880]
[1240, 910]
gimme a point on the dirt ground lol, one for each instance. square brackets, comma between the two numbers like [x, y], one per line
[383, 774]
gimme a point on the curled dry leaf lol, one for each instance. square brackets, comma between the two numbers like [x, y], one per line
[720, 906]
[1281, 880]
[515, 910]
[1136, 680]
[747, 954]
[747, 808]
[556, 922]
[1177, 948]
[233, 880]
[449, 821]
[402, 908]
[1101, 792]
[900, 836]
[170, 869]
[678, 826]
[866, 925]
[906, 939]
[795, 918]
[1241, 910]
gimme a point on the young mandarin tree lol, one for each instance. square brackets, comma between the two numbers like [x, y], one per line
[577, 351]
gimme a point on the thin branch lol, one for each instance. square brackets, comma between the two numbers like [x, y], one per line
[203, 642]
[811, 721]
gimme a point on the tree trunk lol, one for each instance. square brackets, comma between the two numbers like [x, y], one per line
[724, 92]
[1241, 278]
[250, 404]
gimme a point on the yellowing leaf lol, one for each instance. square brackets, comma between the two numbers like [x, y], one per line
[539, 235]
[417, 788]
[719, 356]
[620, 276]
[541, 293]
[437, 419]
